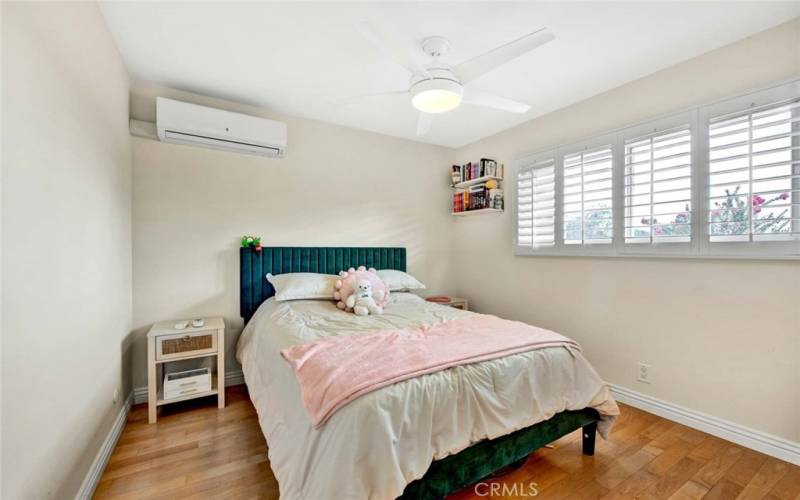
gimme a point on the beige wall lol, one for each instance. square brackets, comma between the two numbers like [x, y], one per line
[66, 208]
[723, 337]
[337, 186]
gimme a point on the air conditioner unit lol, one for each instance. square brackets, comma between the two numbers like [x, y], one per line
[185, 123]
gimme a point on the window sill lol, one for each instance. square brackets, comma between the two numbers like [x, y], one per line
[610, 254]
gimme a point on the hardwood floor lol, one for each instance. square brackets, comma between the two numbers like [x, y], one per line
[197, 451]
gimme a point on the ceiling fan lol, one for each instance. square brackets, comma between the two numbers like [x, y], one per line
[438, 87]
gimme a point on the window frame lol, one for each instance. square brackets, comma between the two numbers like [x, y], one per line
[744, 249]
[675, 249]
[700, 245]
[586, 249]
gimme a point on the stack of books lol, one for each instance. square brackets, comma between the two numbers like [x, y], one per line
[477, 197]
[475, 170]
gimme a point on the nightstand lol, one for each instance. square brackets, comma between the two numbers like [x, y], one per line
[166, 344]
[457, 302]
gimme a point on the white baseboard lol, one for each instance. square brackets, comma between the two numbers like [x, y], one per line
[101, 460]
[231, 379]
[234, 378]
[768, 444]
[138, 395]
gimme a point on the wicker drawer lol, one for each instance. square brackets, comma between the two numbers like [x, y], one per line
[186, 344]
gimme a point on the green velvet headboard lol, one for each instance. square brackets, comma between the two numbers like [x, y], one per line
[254, 266]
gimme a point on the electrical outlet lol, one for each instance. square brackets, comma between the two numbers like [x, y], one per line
[115, 398]
[643, 373]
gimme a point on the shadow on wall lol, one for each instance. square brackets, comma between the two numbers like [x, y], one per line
[363, 223]
[137, 340]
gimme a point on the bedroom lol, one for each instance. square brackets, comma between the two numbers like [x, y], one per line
[110, 233]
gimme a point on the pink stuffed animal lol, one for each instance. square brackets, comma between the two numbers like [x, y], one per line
[361, 291]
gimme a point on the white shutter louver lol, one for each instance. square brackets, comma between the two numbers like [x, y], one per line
[544, 204]
[754, 174]
[658, 182]
[536, 205]
[587, 200]
[524, 203]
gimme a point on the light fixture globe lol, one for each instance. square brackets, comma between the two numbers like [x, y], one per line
[436, 95]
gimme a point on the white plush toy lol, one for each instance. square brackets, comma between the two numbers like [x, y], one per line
[361, 301]
[361, 287]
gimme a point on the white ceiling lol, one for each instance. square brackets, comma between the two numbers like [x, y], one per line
[306, 59]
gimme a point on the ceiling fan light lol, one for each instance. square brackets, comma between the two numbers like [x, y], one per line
[436, 101]
[436, 96]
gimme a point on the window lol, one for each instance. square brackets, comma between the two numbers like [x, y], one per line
[753, 174]
[587, 199]
[536, 204]
[721, 180]
[658, 187]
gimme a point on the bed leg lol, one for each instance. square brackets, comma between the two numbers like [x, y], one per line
[589, 433]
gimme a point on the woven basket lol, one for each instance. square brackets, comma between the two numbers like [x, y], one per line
[187, 344]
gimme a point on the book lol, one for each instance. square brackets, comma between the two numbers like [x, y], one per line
[489, 167]
[476, 195]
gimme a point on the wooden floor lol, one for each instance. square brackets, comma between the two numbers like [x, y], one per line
[197, 451]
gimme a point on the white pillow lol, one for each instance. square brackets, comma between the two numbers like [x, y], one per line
[295, 286]
[398, 280]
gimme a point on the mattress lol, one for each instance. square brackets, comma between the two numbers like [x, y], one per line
[374, 446]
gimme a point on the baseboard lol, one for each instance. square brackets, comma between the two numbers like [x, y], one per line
[768, 444]
[231, 379]
[101, 460]
[234, 378]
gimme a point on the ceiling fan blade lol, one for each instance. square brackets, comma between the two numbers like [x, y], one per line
[477, 66]
[424, 123]
[352, 98]
[396, 54]
[485, 99]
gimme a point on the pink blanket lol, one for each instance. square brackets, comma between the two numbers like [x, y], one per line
[336, 370]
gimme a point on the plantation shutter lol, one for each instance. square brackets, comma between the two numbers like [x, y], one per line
[658, 187]
[587, 200]
[544, 204]
[754, 174]
[525, 208]
[536, 204]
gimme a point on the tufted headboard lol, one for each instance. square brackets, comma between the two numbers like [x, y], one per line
[254, 266]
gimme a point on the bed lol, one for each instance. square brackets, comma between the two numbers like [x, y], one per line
[422, 438]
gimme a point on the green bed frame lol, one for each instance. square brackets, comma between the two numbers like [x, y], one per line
[450, 473]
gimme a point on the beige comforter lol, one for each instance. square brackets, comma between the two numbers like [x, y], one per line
[375, 445]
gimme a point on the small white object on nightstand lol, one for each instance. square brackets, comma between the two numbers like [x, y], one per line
[446, 300]
[170, 341]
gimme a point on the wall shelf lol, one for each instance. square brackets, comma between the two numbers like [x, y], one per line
[478, 211]
[479, 180]
[472, 193]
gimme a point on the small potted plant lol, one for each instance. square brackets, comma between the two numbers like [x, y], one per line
[253, 242]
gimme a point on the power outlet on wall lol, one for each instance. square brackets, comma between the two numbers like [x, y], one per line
[115, 397]
[643, 373]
